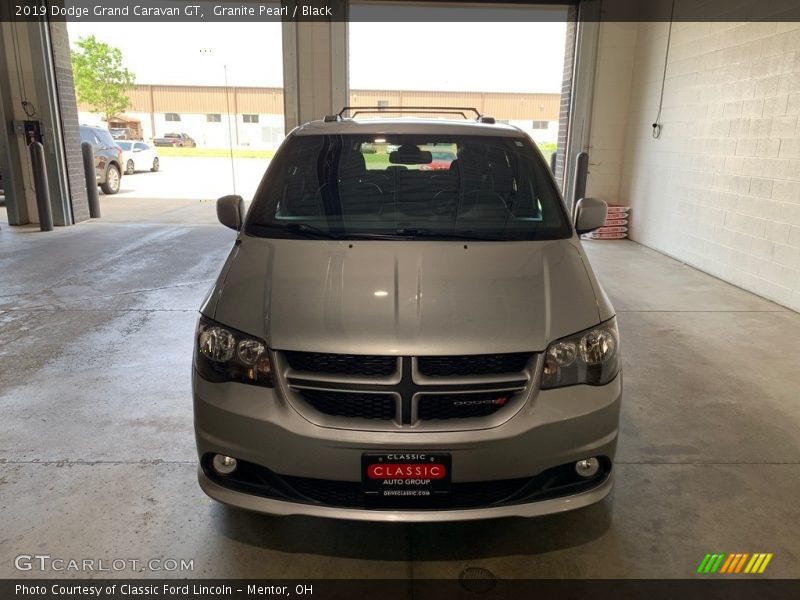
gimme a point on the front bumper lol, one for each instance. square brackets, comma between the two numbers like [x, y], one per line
[554, 427]
[281, 508]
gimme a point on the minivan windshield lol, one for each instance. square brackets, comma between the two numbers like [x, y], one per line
[409, 186]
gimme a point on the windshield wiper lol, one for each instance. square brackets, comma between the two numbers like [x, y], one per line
[306, 230]
[300, 229]
[416, 232]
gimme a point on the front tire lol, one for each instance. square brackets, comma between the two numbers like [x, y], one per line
[156, 165]
[111, 186]
[130, 169]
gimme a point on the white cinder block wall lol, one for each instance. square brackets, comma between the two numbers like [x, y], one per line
[720, 189]
[610, 109]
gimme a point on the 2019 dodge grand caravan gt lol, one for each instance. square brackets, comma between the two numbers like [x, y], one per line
[389, 342]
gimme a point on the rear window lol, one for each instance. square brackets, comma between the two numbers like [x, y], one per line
[87, 135]
[408, 187]
[105, 137]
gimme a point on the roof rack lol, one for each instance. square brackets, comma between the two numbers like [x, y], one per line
[445, 110]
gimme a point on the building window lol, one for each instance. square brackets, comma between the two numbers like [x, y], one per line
[172, 117]
[249, 118]
[214, 118]
[383, 104]
[539, 125]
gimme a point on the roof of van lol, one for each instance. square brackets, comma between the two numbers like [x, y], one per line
[423, 126]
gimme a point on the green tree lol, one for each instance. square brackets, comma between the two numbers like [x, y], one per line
[101, 81]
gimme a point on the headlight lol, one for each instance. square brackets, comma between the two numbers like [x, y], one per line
[224, 354]
[591, 357]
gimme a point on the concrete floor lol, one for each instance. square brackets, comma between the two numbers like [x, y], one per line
[195, 177]
[97, 455]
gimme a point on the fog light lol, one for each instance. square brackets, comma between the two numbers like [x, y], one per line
[588, 467]
[224, 465]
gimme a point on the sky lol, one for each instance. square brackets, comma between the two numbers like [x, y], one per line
[521, 56]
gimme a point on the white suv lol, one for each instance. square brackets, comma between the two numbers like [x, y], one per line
[395, 337]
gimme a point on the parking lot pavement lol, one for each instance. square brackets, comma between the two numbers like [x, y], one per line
[177, 211]
[188, 178]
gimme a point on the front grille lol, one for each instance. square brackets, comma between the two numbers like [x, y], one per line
[327, 491]
[460, 406]
[384, 392]
[342, 364]
[351, 404]
[558, 481]
[475, 364]
[349, 494]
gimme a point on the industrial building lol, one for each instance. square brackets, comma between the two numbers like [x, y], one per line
[257, 120]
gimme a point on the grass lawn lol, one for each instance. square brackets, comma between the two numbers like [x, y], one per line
[215, 152]
[547, 148]
[377, 161]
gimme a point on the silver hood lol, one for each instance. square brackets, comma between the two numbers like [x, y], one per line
[405, 297]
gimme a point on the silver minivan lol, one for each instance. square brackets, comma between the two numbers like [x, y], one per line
[407, 329]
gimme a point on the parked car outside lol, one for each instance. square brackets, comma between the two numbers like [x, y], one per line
[393, 344]
[107, 157]
[138, 156]
[176, 140]
[125, 128]
[440, 161]
[119, 134]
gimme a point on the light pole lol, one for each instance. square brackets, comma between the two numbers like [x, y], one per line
[230, 139]
[209, 52]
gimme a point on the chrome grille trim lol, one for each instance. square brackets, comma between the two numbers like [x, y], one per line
[407, 385]
[392, 379]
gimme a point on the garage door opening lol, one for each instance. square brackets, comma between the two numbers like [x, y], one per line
[507, 62]
[203, 118]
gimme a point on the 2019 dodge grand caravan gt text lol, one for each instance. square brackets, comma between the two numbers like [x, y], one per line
[391, 342]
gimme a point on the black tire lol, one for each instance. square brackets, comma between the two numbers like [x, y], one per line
[113, 178]
[130, 168]
[156, 165]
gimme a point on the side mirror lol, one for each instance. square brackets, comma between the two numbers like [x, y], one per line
[230, 211]
[590, 214]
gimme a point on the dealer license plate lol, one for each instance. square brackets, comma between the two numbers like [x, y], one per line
[406, 479]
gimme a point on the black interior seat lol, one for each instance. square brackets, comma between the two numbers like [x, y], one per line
[301, 196]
